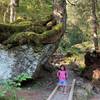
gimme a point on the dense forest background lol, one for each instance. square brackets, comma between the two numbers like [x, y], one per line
[79, 23]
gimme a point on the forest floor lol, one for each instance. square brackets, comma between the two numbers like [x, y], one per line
[41, 88]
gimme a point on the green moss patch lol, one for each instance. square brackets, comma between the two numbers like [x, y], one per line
[14, 27]
[29, 37]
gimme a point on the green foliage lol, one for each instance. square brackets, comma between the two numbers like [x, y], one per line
[79, 27]
[31, 37]
[81, 69]
[81, 48]
[75, 34]
[64, 44]
[81, 16]
[28, 9]
[33, 9]
[22, 77]
[8, 87]
[11, 87]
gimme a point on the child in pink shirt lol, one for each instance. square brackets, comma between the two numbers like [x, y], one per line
[62, 75]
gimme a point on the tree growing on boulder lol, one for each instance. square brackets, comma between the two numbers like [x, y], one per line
[24, 37]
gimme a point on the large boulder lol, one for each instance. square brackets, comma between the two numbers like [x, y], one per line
[23, 59]
[20, 58]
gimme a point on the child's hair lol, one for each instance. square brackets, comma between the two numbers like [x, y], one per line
[63, 67]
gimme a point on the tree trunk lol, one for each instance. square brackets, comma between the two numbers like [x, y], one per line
[40, 1]
[59, 12]
[95, 24]
[13, 5]
[5, 15]
[11, 13]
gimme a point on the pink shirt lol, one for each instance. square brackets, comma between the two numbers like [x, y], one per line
[62, 75]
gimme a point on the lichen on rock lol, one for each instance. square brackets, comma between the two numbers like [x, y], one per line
[23, 59]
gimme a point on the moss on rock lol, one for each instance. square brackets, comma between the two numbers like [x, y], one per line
[30, 37]
[52, 35]
[37, 28]
[14, 27]
[4, 36]
[22, 38]
[20, 26]
[26, 26]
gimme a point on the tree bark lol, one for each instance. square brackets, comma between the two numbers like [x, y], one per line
[13, 4]
[12, 10]
[59, 12]
[5, 15]
[95, 25]
[40, 1]
[60, 15]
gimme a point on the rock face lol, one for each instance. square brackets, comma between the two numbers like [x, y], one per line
[23, 59]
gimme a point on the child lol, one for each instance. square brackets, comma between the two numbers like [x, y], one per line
[62, 75]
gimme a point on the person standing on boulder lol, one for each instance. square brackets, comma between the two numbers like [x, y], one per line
[62, 75]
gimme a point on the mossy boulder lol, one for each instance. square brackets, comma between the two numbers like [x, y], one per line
[49, 36]
[27, 52]
[39, 27]
[14, 27]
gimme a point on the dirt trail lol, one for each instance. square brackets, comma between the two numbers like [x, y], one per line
[32, 95]
[47, 85]
[61, 96]
[96, 97]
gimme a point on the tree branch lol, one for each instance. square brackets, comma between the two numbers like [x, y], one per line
[71, 3]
